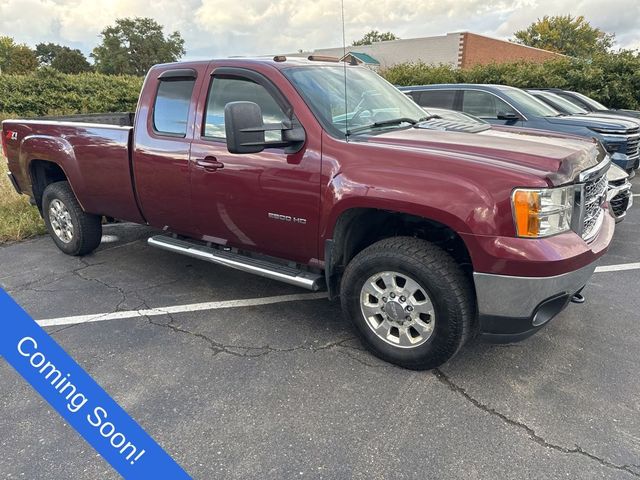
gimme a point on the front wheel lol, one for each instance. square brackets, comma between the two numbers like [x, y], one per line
[409, 301]
[73, 231]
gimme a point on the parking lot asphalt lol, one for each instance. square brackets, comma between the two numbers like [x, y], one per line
[279, 387]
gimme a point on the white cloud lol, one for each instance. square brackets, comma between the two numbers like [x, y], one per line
[223, 27]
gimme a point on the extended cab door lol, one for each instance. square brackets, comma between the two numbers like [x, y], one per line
[162, 141]
[267, 202]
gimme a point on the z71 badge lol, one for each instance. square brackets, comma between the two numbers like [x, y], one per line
[287, 218]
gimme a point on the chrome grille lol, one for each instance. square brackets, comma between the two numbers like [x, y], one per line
[633, 142]
[595, 192]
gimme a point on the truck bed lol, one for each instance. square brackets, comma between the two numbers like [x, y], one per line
[95, 157]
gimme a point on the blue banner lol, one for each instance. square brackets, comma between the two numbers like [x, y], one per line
[79, 399]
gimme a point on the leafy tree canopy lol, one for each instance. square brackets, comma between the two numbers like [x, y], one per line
[375, 36]
[16, 59]
[133, 45]
[62, 58]
[572, 36]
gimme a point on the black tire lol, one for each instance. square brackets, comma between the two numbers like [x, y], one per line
[446, 285]
[87, 228]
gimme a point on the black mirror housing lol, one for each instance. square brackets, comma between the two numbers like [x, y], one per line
[508, 116]
[244, 127]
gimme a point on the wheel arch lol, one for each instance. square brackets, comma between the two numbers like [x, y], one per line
[357, 228]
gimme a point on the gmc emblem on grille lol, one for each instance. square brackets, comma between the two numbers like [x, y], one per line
[287, 218]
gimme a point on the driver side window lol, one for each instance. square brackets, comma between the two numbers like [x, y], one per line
[484, 105]
[236, 89]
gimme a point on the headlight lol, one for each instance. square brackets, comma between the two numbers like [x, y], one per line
[542, 212]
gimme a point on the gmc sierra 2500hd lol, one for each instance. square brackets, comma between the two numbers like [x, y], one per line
[430, 232]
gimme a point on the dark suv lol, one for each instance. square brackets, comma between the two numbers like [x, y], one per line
[503, 105]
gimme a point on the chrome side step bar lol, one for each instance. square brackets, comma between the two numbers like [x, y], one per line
[274, 271]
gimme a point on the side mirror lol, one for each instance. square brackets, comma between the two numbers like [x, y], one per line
[244, 127]
[245, 130]
[508, 116]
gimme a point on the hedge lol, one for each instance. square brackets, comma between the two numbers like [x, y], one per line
[612, 79]
[48, 92]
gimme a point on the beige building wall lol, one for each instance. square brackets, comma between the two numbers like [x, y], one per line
[443, 49]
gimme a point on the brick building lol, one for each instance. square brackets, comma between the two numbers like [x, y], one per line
[460, 50]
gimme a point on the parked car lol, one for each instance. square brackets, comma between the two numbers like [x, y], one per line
[503, 105]
[619, 192]
[590, 104]
[428, 236]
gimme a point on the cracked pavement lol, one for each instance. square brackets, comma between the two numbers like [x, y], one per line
[285, 390]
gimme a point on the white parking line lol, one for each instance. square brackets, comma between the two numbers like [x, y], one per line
[194, 307]
[618, 268]
[250, 302]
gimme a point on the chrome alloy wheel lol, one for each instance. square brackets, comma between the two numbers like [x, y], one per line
[60, 219]
[397, 309]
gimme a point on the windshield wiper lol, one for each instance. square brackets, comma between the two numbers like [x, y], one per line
[383, 123]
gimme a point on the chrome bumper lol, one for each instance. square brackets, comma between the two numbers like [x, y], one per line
[510, 305]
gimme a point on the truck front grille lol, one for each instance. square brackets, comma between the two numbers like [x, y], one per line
[595, 193]
[633, 144]
[620, 203]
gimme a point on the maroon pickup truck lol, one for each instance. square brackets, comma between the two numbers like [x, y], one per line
[430, 232]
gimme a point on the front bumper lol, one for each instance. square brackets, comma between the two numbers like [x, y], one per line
[518, 300]
[512, 308]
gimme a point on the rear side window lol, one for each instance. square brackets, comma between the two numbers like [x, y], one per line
[435, 98]
[235, 89]
[172, 106]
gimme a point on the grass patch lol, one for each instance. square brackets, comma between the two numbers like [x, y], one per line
[18, 219]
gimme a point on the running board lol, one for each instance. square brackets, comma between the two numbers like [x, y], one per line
[264, 268]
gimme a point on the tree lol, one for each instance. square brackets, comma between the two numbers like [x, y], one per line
[572, 36]
[133, 45]
[375, 36]
[47, 52]
[16, 59]
[62, 58]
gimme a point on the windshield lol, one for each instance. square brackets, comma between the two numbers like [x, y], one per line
[562, 104]
[590, 101]
[530, 104]
[371, 102]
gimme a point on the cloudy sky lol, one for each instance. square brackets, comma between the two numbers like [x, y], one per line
[246, 27]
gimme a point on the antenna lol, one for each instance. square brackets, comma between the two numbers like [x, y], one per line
[344, 54]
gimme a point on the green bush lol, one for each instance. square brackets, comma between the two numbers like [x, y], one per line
[49, 92]
[613, 79]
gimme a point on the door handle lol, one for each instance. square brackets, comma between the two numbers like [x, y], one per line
[210, 164]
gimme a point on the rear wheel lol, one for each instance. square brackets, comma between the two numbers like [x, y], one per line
[409, 301]
[73, 231]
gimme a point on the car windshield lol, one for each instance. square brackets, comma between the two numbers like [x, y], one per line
[563, 104]
[363, 102]
[530, 104]
[590, 101]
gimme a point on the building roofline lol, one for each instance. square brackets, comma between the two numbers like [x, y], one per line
[513, 43]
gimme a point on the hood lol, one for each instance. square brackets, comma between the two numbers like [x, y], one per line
[630, 113]
[604, 116]
[556, 158]
[617, 125]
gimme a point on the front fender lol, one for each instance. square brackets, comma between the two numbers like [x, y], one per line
[461, 205]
